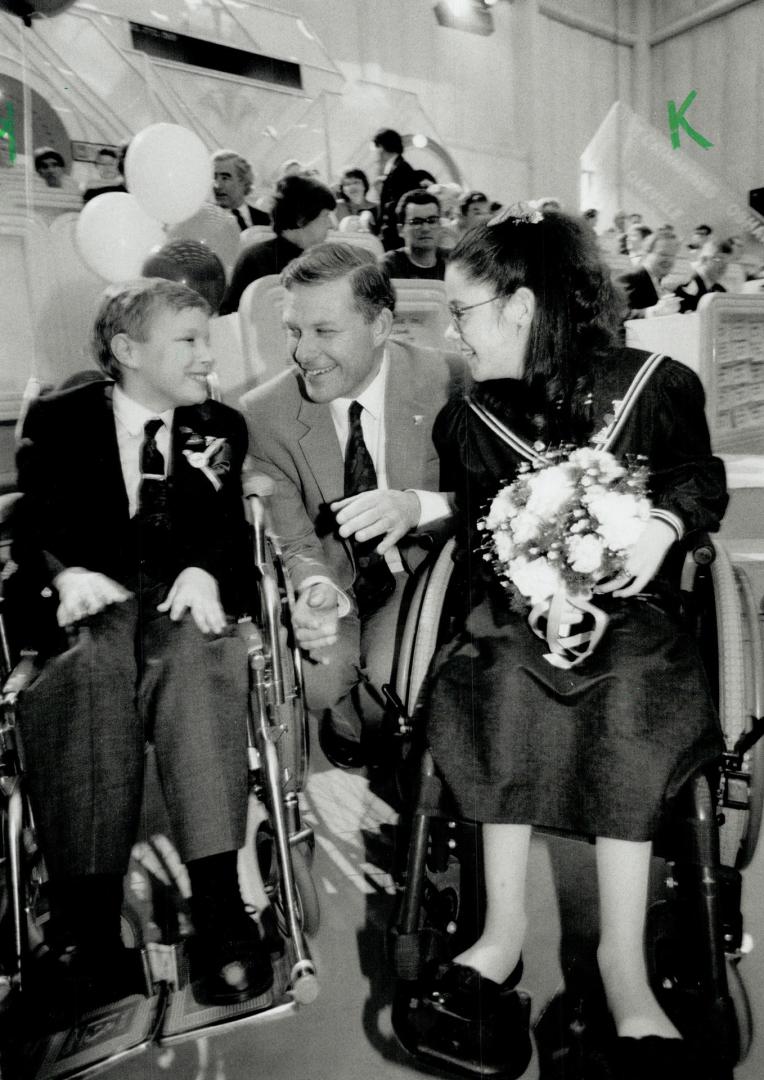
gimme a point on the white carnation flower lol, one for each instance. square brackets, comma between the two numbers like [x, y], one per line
[587, 458]
[525, 527]
[549, 490]
[621, 518]
[505, 548]
[502, 507]
[585, 553]
[536, 578]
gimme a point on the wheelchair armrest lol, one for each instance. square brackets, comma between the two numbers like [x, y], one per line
[7, 505]
[22, 676]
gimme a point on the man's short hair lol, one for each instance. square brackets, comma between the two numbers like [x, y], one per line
[129, 307]
[298, 201]
[43, 153]
[649, 243]
[417, 197]
[370, 284]
[241, 167]
[388, 140]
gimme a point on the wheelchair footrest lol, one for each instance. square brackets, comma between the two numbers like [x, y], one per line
[109, 1033]
[443, 1041]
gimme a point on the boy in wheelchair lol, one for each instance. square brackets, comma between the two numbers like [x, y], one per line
[132, 515]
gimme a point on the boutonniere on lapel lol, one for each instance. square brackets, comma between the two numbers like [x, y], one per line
[210, 454]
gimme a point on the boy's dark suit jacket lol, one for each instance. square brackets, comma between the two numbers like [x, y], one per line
[74, 510]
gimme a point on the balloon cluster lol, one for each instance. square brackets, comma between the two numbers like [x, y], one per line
[160, 227]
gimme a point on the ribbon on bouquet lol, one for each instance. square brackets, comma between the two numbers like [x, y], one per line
[567, 650]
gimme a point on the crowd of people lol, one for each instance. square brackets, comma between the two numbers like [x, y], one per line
[374, 448]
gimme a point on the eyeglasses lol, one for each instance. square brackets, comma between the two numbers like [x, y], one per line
[457, 313]
[418, 222]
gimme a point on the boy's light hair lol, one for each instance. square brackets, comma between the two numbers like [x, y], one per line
[129, 307]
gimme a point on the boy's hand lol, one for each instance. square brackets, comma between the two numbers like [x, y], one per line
[84, 592]
[196, 591]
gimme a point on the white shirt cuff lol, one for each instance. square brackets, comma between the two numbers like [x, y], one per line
[434, 506]
[344, 607]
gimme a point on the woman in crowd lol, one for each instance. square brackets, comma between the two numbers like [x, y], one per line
[352, 198]
[600, 748]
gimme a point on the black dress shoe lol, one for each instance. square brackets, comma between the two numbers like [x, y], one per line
[341, 752]
[231, 971]
[465, 993]
[654, 1058]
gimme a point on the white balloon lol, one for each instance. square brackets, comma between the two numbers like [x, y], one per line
[114, 235]
[169, 171]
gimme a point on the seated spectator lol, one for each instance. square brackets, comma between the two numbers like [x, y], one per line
[643, 285]
[419, 224]
[109, 176]
[474, 208]
[635, 237]
[396, 178]
[352, 198]
[153, 576]
[350, 533]
[233, 182]
[592, 217]
[300, 217]
[709, 269]
[50, 167]
[698, 237]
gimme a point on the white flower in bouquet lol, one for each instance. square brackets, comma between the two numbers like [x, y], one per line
[587, 458]
[549, 490]
[505, 546]
[535, 578]
[502, 507]
[621, 518]
[525, 527]
[585, 553]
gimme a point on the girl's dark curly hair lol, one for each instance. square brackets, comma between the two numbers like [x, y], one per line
[577, 307]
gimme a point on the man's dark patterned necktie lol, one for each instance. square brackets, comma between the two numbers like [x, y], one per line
[152, 490]
[374, 581]
[240, 219]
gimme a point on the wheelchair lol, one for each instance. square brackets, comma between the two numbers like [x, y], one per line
[695, 940]
[274, 864]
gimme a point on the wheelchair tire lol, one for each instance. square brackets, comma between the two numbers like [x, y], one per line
[741, 1006]
[428, 627]
[308, 905]
[734, 626]
[754, 759]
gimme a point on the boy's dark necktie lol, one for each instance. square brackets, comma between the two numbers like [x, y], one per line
[374, 581]
[152, 490]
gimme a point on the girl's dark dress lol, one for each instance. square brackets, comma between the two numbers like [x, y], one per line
[599, 748]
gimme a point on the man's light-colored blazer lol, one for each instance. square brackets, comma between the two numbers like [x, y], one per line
[293, 441]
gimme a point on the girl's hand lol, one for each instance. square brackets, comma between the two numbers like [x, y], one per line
[643, 562]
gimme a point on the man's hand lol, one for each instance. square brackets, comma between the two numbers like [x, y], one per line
[644, 561]
[84, 592]
[315, 618]
[390, 514]
[196, 591]
[667, 305]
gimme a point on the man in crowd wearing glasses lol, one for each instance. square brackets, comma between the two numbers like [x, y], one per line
[419, 224]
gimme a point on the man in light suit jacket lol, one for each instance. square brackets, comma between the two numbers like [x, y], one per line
[305, 433]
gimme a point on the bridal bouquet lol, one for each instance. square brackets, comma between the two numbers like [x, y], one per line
[563, 525]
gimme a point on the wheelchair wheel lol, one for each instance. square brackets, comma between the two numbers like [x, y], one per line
[739, 680]
[294, 743]
[308, 906]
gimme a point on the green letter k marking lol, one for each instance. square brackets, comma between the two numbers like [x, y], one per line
[677, 118]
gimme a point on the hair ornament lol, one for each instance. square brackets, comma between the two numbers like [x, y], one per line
[518, 213]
